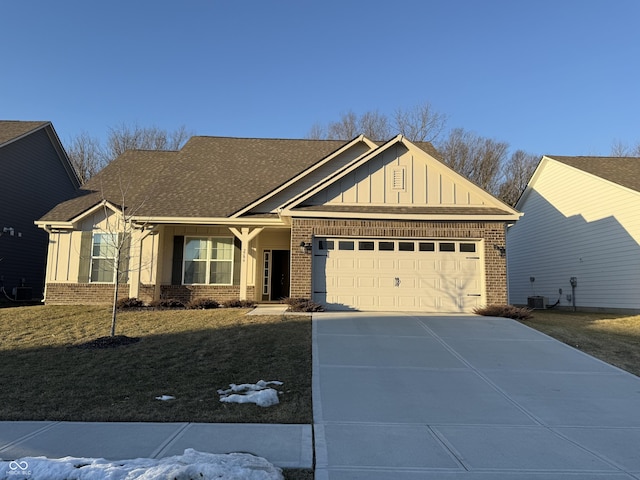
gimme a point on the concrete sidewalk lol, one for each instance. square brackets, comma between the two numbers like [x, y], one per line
[286, 446]
[465, 397]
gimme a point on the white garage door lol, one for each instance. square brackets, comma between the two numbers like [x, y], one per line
[412, 275]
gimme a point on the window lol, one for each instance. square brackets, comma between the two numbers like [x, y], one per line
[467, 247]
[365, 245]
[447, 247]
[345, 245]
[208, 261]
[427, 246]
[104, 249]
[406, 246]
[325, 244]
[386, 246]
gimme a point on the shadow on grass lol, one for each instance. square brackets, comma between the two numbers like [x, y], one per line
[120, 384]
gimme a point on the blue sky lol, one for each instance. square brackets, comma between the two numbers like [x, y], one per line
[546, 76]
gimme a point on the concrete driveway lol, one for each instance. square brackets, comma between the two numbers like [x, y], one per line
[449, 397]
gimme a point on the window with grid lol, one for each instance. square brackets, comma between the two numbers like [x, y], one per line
[104, 249]
[208, 261]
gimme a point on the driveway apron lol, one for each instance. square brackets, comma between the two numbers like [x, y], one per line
[408, 396]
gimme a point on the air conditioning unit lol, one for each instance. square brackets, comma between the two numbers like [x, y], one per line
[537, 302]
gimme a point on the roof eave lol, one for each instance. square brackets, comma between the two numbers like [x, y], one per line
[403, 216]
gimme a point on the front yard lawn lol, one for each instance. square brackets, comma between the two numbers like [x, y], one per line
[609, 337]
[188, 354]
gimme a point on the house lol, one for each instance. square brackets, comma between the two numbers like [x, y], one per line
[36, 176]
[581, 226]
[352, 225]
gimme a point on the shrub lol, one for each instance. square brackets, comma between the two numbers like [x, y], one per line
[167, 303]
[237, 303]
[202, 304]
[124, 303]
[303, 305]
[507, 311]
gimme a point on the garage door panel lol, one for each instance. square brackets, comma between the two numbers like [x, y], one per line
[399, 278]
[366, 282]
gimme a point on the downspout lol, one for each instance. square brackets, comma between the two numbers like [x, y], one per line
[48, 229]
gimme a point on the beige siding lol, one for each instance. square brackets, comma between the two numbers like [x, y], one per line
[335, 164]
[399, 176]
[576, 225]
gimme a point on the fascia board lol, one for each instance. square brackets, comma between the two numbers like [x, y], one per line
[310, 170]
[403, 216]
[103, 204]
[532, 181]
[271, 222]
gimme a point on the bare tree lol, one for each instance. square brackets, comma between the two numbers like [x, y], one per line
[420, 123]
[516, 173]
[344, 129]
[477, 158]
[86, 155]
[621, 149]
[125, 137]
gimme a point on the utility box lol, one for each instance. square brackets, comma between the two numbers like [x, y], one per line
[537, 302]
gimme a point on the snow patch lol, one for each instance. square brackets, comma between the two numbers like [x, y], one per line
[164, 398]
[192, 464]
[259, 393]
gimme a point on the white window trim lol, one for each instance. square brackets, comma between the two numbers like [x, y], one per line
[208, 260]
[112, 259]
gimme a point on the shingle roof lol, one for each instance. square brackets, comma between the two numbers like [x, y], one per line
[12, 129]
[208, 177]
[624, 171]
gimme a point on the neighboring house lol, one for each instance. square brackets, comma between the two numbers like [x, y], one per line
[581, 220]
[357, 225]
[36, 175]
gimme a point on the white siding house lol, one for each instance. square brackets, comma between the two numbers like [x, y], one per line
[581, 219]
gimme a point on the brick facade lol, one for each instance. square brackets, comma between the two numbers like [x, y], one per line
[83, 293]
[493, 233]
[186, 293]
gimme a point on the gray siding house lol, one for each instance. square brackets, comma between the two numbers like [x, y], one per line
[36, 176]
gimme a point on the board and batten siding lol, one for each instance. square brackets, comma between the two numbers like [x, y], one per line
[312, 178]
[576, 225]
[399, 176]
[34, 179]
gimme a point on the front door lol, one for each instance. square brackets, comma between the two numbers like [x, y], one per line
[280, 274]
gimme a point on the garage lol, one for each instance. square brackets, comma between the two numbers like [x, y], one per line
[431, 275]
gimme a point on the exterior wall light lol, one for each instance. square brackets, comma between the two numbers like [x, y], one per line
[305, 247]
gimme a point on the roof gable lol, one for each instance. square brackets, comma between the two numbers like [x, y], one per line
[624, 171]
[210, 177]
[400, 178]
[11, 130]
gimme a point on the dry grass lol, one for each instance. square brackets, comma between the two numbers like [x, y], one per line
[189, 354]
[609, 337]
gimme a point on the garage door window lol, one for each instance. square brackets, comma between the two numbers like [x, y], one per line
[386, 246]
[366, 245]
[447, 247]
[325, 244]
[345, 245]
[406, 246]
[468, 247]
[427, 246]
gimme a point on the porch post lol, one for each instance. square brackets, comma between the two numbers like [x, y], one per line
[245, 235]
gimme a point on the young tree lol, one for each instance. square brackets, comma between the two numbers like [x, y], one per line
[116, 241]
